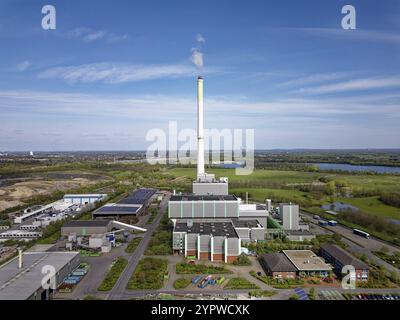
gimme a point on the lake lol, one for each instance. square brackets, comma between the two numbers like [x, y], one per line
[357, 168]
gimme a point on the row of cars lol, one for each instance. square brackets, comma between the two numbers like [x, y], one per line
[202, 281]
[373, 296]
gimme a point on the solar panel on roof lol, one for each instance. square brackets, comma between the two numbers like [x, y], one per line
[118, 209]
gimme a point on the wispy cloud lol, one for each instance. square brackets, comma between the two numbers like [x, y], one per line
[292, 123]
[355, 85]
[116, 73]
[173, 107]
[23, 65]
[315, 78]
[91, 35]
[357, 34]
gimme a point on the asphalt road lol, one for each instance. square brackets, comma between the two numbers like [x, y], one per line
[357, 244]
[119, 290]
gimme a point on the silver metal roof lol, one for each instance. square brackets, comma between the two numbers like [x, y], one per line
[20, 284]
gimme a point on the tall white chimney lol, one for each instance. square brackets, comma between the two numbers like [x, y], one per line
[200, 128]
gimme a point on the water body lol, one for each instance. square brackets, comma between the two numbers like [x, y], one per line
[357, 168]
[232, 165]
[339, 206]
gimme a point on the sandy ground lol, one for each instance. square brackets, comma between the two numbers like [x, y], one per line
[15, 194]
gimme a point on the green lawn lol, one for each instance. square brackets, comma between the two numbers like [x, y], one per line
[283, 177]
[373, 205]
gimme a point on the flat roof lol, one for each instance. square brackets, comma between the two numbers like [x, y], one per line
[87, 195]
[245, 223]
[224, 229]
[343, 256]
[139, 196]
[277, 262]
[118, 209]
[86, 223]
[203, 198]
[20, 284]
[306, 260]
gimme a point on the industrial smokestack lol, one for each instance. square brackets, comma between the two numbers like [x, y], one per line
[20, 263]
[200, 129]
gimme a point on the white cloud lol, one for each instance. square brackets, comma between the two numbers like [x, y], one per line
[90, 35]
[355, 85]
[357, 34]
[116, 73]
[315, 78]
[23, 65]
[280, 123]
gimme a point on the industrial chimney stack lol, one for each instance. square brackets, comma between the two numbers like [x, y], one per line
[200, 129]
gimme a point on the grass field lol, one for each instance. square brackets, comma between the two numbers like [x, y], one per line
[373, 205]
[280, 186]
[283, 177]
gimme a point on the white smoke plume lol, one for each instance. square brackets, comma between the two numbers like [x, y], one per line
[197, 55]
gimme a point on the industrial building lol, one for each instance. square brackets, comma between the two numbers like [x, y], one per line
[210, 223]
[289, 214]
[94, 234]
[84, 199]
[277, 265]
[339, 258]
[86, 227]
[291, 263]
[132, 205]
[215, 241]
[21, 278]
[299, 235]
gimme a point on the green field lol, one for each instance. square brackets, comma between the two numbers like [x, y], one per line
[285, 185]
[373, 205]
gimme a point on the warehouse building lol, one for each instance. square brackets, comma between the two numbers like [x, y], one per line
[132, 205]
[292, 263]
[339, 258]
[23, 281]
[86, 227]
[215, 241]
[84, 199]
[278, 266]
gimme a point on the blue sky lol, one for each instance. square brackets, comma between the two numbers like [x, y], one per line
[112, 70]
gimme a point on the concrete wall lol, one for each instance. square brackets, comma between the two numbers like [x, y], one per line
[290, 216]
[257, 234]
[218, 245]
[216, 188]
[203, 209]
[84, 231]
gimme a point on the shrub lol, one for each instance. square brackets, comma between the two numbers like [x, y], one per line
[181, 283]
[149, 274]
[185, 268]
[112, 276]
[131, 247]
[240, 283]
